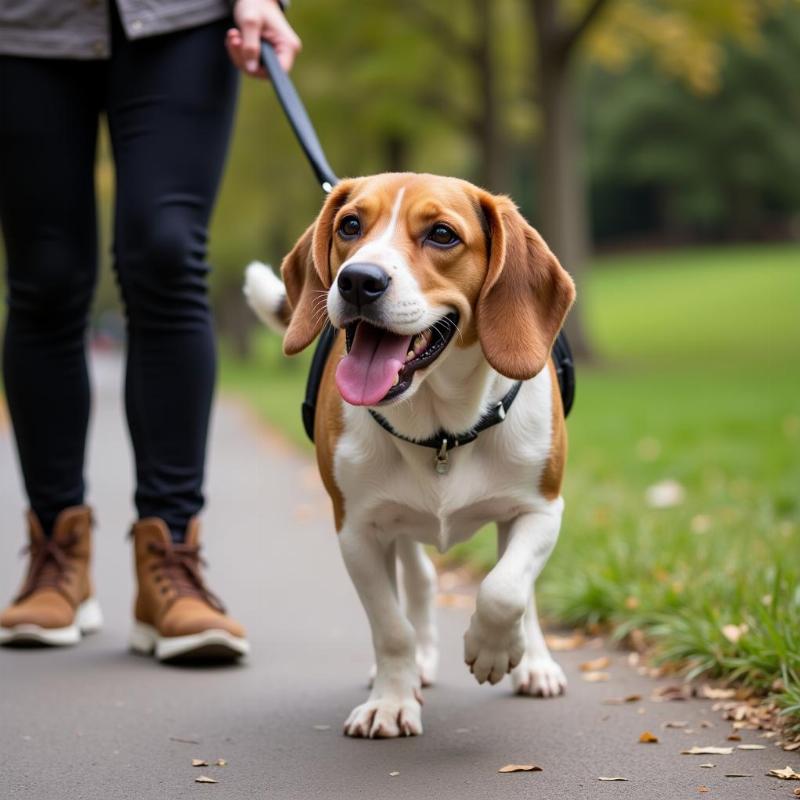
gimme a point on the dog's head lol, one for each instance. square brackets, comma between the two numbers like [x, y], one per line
[414, 267]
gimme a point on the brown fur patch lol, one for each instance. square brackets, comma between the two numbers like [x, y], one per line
[525, 297]
[285, 312]
[552, 476]
[328, 428]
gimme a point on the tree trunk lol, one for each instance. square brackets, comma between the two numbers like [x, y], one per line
[395, 150]
[561, 190]
[234, 319]
[491, 172]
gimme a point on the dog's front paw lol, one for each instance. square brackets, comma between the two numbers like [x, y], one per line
[386, 718]
[491, 651]
[538, 677]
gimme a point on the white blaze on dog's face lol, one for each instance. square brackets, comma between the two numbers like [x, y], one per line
[414, 267]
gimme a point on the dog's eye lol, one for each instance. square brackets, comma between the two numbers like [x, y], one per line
[442, 236]
[350, 227]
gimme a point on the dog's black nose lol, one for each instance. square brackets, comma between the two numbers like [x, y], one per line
[360, 284]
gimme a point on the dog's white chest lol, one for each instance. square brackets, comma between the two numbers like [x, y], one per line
[394, 488]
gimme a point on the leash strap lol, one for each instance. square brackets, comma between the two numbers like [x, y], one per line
[298, 118]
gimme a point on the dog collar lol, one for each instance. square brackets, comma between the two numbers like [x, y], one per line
[442, 441]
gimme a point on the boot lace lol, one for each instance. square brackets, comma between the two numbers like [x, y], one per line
[50, 563]
[180, 564]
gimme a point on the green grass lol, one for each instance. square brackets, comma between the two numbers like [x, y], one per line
[701, 385]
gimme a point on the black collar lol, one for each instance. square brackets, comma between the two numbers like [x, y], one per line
[442, 441]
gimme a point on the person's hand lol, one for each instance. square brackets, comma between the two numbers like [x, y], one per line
[257, 20]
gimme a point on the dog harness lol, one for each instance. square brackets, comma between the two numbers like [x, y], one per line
[442, 441]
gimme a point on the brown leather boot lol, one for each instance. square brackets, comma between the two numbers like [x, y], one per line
[56, 603]
[176, 616]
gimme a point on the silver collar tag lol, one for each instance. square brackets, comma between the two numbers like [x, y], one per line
[442, 463]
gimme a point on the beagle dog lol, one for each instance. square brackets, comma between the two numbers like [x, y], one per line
[447, 304]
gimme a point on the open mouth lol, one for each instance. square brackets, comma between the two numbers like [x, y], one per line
[380, 365]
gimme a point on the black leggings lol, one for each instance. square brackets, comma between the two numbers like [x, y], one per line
[169, 101]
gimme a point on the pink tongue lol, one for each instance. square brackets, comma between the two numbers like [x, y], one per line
[368, 371]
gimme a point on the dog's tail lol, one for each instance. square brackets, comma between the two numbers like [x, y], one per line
[266, 295]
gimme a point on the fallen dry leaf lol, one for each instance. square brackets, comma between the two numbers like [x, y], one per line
[785, 774]
[520, 768]
[734, 737]
[220, 762]
[561, 643]
[394, 774]
[706, 724]
[738, 775]
[711, 693]
[708, 766]
[618, 701]
[751, 747]
[183, 741]
[707, 751]
[703, 789]
[665, 494]
[199, 762]
[615, 778]
[734, 632]
[595, 665]
[791, 747]
[596, 677]
[670, 693]
[453, 600]
[796, 792]
[675, 724]
[204, 779]
[648, 738]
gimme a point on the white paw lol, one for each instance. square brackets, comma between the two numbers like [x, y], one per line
[490, 651]
[386, 718]
[538, 677]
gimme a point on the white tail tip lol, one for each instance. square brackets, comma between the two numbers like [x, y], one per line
[266, 295]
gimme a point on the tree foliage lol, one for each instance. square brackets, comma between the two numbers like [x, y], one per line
[671, 102]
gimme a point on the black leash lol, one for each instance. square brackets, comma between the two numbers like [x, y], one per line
[443, 441]
[298, 118]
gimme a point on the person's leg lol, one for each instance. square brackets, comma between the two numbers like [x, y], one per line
[48, 126]
[170, 107]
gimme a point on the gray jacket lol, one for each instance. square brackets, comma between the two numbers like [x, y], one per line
[81, 28]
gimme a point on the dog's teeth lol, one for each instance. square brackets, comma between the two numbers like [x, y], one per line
[409, 355]
[396, 379]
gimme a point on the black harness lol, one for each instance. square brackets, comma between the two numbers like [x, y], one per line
[442, 441]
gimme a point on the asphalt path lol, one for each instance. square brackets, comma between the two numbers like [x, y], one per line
[96, 721]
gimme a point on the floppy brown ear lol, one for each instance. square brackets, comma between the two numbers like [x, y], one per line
[525, 297]
[306, 274]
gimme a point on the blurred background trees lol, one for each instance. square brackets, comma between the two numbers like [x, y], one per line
[612, 123]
